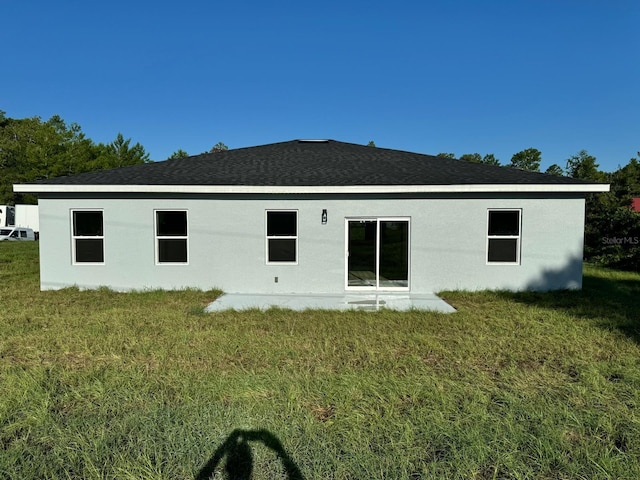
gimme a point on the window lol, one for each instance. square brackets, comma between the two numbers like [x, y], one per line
[88, 236]
[23, 234]
[503, 243]
[282, 236]
[171, 236]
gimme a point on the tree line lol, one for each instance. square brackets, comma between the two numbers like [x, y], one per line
[32, 149]
[528, 159]
[180, 153]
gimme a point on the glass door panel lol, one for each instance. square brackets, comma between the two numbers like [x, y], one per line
[362, 253]
[394, 254]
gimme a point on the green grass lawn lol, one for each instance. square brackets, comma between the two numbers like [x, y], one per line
[98, 384]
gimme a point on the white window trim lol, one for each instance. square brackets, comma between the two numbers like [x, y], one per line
[279, 237]
[518, 237]
[75, 237]
[377, 287]
[169, 237]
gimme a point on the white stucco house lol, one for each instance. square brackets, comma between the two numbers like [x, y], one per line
[307, 216]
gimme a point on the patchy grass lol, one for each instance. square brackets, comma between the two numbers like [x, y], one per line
[99, 384]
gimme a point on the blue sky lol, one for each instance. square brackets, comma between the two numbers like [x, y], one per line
[425, 76]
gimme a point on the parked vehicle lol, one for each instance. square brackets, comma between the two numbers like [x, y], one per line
[17, 234]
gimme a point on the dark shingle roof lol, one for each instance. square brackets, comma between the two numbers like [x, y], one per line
[311, 163]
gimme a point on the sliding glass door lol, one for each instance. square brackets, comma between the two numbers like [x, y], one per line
[377, 253]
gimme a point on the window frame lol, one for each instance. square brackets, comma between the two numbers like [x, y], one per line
[158, 237]
[75, 238]
[517, 238]
[280, 237]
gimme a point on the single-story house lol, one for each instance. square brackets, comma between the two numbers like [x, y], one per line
[312, 216]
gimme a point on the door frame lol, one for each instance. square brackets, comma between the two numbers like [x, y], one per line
[377, 287]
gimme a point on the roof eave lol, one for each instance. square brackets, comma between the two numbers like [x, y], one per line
[295, 189]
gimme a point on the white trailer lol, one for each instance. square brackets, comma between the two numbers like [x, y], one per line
[27, 216]
[20, 216]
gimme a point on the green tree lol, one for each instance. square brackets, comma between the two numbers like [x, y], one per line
[29, 150]
[74, 151]
[446, 155]
[612, 229]
[119, 154]
[612, 233]
[178, 154]
[32, 150]
[555, 169]
[488, 159]
[528, 159]
[371, 143]
[583, 166]
[625, 182]
[472, 157]
[218, 147]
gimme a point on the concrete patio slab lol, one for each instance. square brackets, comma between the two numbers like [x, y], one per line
[401, 302]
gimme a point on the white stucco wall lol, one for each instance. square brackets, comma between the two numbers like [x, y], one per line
[227, 243]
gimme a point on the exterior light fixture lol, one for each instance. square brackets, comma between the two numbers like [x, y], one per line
[324, 216]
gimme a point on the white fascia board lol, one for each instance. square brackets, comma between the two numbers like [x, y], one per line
[353, 189]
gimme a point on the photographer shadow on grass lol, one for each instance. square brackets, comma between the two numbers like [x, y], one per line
[236, 454]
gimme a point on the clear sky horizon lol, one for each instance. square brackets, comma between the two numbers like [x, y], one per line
[458, 76]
